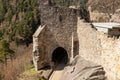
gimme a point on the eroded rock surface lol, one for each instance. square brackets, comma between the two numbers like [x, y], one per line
[80, 69]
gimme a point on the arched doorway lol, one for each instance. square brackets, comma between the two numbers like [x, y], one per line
[59, 56]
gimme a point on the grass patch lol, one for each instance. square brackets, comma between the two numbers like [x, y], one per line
[32, 74]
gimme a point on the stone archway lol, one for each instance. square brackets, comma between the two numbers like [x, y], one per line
[60, 56]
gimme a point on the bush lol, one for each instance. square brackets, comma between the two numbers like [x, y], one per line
[1, 76]
[5, 51]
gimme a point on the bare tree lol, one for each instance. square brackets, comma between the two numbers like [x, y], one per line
[107, 6]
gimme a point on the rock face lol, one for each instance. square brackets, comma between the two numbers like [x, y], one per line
[80, 69]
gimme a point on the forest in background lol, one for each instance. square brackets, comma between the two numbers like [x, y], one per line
[19, 19]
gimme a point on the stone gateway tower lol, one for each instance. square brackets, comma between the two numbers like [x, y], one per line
[56, 40]
[67, 36]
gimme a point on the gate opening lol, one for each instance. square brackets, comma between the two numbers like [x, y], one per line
[60, 56]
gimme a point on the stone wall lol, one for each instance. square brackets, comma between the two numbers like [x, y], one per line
[60, 31]
[100, 49]
[89, 44]
[61, 23]
[110, 56]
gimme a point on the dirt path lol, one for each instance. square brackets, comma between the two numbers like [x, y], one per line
[58, 72]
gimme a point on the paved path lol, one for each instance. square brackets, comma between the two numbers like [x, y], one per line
[58, 72]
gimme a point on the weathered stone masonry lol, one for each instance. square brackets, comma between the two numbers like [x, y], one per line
[60, 30]
[99, 48]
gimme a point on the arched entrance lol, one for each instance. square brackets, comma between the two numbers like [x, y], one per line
[59, 56]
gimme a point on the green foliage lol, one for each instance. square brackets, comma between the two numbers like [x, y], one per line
[1, 76]
[2, 33]
[83, 3]
[9, 14]
[21, 16]
[16, 41]
[5, 50]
